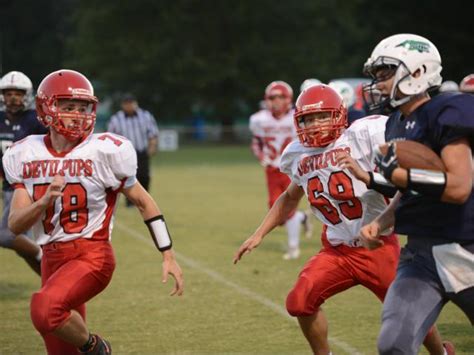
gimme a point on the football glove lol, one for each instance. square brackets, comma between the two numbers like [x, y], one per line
[387, 163]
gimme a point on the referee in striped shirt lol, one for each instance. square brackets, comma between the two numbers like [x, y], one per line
[140, 127]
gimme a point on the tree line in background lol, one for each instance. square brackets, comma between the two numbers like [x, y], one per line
[214, 58]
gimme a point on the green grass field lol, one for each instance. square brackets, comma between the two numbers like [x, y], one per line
[213, 198]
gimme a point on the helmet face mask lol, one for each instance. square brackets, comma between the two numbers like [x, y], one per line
[278, 97]
[381, 72]
[418, 67]
[13, 83]
[14, 100]
[75, 118]
[66, 103]
[320, 116]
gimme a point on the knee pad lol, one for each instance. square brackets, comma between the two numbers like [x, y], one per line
[298, 303]
[46, 316]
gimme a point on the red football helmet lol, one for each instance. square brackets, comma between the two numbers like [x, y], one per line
[467, 84]
[320, 98]
[278, 88]
[66, 84]
[278, 98]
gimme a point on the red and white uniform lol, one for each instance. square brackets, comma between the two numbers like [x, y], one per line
[74, 232]
[94, 172]
[344, 205]
[338, 199]
[274, 133]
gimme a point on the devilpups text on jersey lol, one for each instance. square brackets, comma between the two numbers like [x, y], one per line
[320, 161]
[49, 168]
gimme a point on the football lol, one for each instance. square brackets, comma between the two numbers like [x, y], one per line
[415, 155]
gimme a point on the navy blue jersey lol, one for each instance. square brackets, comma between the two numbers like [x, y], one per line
[438, 122]
[23, 125]
[353, 115]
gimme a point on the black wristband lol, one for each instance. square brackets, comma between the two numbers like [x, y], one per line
[380, 184]
[427, 182]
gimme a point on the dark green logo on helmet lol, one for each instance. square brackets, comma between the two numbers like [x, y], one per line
[415, 46]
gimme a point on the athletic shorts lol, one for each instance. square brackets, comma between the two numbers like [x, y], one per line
[335, 269]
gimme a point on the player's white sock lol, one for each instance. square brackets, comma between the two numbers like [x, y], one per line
[293, 227]
[39, 255]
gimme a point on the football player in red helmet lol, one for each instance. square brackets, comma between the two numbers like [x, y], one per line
[65, 102]
[320, 116]
[467, 84]
[278, 98]
[273, 129]
[66, 188]
[337, 187]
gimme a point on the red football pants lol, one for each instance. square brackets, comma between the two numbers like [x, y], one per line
[277, 183]
[335, 269]
[71, 274]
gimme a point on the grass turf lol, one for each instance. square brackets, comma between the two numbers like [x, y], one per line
[213, 198]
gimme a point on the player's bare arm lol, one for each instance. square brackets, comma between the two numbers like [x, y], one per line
[257, 147]
[286, 203]
[345, 161]
[151, 213]
[370, 233]
[453, 186]
[24, 212]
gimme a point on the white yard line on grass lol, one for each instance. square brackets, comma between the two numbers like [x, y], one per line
[242, 290]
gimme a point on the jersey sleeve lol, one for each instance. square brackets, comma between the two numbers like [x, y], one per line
[288, 158]
[254, 126]
[11, 162]
[367, 134]
[121, 159]
[456, 120]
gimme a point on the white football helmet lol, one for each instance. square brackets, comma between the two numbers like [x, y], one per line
[345, 90]
[449, 86]
[308, 83]
[19, 81]
[406, 54]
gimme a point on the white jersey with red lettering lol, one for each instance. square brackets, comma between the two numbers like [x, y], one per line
[94, 172]
[336, 197]
[274, 133]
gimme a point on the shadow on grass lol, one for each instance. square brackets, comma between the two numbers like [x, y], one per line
[463, 331]
[14, 291]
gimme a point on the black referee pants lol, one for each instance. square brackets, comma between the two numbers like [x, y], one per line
[143, 171]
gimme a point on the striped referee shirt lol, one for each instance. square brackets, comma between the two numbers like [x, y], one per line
[138, 128]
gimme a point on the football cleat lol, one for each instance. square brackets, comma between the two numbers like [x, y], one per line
[449, 348]
[99, 347]
[291, 254]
